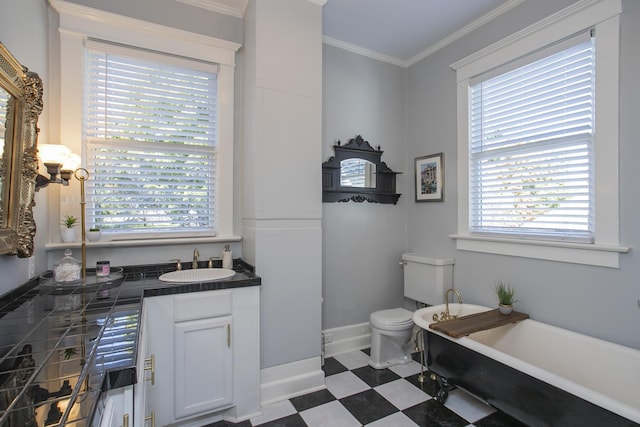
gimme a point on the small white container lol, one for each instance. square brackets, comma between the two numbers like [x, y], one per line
[227, 258]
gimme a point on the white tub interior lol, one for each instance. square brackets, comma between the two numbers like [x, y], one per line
[598, 371]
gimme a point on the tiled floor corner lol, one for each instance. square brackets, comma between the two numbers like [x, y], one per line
[358, 395]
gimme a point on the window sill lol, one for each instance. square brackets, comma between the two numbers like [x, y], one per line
[577, 253]
[142, 242]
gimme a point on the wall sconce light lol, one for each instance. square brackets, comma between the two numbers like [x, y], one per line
[60, 163]
[59, 160]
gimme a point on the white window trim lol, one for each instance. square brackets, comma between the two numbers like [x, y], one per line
[605, 16]
[77, 23]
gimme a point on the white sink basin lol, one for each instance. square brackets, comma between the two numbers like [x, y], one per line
[197, 275]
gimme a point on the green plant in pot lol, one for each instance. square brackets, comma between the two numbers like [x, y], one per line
[94, 234]
[69, 221]
[506, 297]
[68, 231]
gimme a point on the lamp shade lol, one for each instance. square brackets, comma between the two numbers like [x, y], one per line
[53, 153]
[71, 163]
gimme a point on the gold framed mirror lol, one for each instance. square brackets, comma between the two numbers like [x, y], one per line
[20, 107]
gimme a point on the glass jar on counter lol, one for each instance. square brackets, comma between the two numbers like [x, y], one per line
[67, 269]
[103, 268]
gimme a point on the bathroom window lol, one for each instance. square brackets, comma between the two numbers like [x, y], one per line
[537, 149]
[150, 123]
[531, 146]
[149, 140]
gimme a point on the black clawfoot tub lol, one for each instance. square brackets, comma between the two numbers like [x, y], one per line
[537, 373]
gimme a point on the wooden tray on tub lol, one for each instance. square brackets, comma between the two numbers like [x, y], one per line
[476, 322]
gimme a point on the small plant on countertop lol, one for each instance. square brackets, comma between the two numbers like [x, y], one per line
[505, 293]
[69, 221]
[94, 229]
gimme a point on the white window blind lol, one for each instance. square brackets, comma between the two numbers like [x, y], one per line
[150, 129]
[531, 148]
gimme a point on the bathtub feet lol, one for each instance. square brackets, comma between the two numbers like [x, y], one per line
[443, 394]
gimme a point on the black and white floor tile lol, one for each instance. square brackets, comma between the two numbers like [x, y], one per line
[358, 395]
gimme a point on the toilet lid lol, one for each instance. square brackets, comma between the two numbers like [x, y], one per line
[393, 316]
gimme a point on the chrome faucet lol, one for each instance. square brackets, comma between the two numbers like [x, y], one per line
[445, 315]
[196, 254]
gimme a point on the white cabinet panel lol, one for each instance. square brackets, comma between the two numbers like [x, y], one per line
[206, 366]
[203, 365]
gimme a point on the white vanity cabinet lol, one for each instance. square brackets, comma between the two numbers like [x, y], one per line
[115, 409]
[198, 358]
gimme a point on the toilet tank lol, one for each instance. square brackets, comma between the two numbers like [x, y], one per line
[427, 278]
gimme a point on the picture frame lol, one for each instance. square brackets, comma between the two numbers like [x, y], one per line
[429, 178]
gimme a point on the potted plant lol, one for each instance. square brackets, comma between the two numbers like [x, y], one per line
[68, 231]
[506, 299]
[94, 234]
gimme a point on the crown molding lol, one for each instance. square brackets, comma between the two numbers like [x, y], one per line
[364, 52]
[430, 50]
[215, 6]
[235, 8]
[465, 30]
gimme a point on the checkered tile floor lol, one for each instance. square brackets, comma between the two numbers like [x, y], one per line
[358, 395]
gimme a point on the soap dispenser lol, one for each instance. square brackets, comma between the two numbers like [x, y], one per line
[227, 258]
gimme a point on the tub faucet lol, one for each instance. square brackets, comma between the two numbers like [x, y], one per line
[196, 254]
[445, 315]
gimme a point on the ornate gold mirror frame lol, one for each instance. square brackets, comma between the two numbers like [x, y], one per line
[18, 155]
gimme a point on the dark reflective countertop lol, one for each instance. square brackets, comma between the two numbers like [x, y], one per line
[62, 345]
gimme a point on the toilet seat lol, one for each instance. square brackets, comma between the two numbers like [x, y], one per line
[391, 319]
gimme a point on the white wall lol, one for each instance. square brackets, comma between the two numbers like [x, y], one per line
[362, 242]
[597, 301]
[281, 174]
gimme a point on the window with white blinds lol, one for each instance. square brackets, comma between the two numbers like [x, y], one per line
[531, 168]
[150, 125]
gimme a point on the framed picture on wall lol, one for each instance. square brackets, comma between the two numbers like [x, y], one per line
[429, 178]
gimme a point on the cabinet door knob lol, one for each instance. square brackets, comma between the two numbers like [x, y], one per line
[229, 335]
[150, 365]
[125, 420]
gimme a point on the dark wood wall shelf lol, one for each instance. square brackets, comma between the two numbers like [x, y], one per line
[358, 148]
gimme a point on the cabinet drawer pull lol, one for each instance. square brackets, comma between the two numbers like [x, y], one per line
[125, 420]
[229, 335]
[151, 418]
[150, 365]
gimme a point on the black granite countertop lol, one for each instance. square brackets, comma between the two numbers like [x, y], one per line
[61, 346]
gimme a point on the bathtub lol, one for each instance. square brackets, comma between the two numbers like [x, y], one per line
[535, 372]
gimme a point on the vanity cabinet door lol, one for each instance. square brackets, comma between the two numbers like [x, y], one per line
[203, 360]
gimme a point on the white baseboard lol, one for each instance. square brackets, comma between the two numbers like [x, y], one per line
[346, 338]
[290, 380]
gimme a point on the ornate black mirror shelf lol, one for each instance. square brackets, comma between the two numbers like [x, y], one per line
[357, 173]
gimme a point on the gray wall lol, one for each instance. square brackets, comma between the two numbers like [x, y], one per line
[362, 242]
[23, 31]
[601, 302]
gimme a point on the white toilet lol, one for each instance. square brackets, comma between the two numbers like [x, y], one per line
[425, 280]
